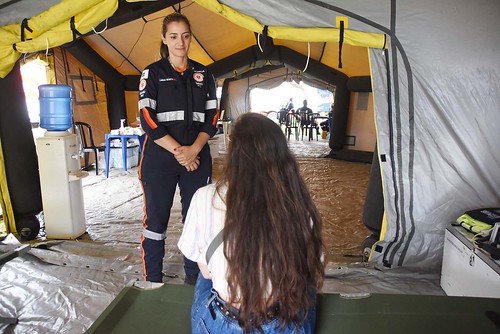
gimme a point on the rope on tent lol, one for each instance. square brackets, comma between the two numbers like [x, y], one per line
[103, 29]
[264, 32]
[258, 43]
[47, 49]
[308, 57]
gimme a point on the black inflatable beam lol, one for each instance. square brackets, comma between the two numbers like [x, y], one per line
[360, 84]
[373, 210]
[115, 81]
[132, 82]
[19, 151]
[281, 54]
[340, 116]
[226, 66]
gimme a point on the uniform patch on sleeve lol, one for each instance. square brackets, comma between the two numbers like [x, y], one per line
[145, 74]
[142, 84]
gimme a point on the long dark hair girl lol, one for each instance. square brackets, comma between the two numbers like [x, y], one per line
[272, 232]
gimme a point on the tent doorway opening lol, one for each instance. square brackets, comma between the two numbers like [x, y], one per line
[35, 72]
[266, 100]
[338, 186]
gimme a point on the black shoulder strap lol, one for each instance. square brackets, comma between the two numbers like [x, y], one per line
[216, 242]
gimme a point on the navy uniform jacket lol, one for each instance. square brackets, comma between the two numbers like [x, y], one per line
[181, 105]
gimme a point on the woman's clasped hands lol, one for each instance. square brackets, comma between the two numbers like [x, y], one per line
[187, 156]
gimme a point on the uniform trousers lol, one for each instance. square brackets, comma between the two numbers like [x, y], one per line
[159, 176]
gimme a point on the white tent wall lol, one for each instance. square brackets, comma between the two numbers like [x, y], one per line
[19, 10]
[238, 105]
[307, 13]
[439, 136]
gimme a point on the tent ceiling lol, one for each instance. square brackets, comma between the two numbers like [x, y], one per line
[208, 45]
[133, 45]
[132, 39]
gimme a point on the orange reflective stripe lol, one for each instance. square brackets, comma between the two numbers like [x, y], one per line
[140, 162]
[148, 118]
[216, 118]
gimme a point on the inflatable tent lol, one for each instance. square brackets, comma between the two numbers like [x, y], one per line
[103, 60]
[435, 76]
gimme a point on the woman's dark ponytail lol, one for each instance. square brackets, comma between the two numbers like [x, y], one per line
[163, 50]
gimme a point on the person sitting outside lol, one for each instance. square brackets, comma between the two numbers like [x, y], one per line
[286, 108]
[256, 236]
[325, 125]
[305, 114]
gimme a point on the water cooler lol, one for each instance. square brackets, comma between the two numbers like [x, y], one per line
[59, 166]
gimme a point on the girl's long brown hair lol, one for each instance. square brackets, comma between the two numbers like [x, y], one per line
[272, 231]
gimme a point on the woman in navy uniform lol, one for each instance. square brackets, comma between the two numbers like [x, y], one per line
[177, 103]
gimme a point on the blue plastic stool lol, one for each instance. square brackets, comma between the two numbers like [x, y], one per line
[123, 138]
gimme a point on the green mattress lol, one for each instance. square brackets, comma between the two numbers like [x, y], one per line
[167, 310]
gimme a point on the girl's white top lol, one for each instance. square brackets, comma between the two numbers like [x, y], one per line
[204, 220]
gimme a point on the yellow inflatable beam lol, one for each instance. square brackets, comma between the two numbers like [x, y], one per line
[51, 28]
[351, 37]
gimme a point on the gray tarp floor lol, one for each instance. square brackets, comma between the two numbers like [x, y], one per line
[62, 286]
